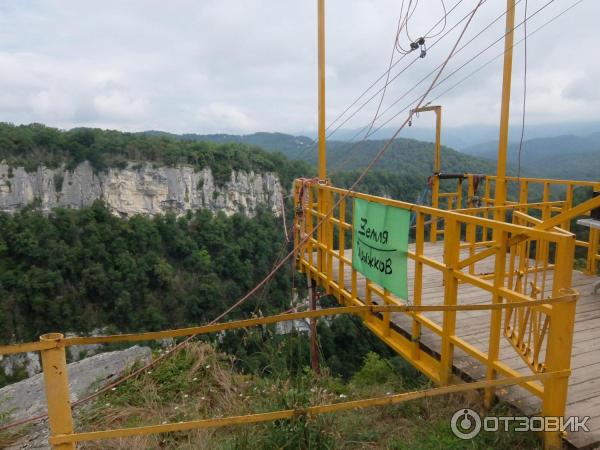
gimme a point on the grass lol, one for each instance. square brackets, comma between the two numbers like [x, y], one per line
[200, 383]
[10, 436]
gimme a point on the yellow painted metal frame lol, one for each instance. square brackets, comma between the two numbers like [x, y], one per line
[52, 347]
[66, 440]
[507, 244]
[547, 208]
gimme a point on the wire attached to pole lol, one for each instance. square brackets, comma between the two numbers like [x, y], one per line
[524, 93]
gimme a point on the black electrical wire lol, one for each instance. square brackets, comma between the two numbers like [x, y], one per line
[498, 56]
[353, 146]
[524, 93]
[396, 77]
[372, 85]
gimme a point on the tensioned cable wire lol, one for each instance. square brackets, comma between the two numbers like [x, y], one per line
[486, 64]
[402, 25]
[352, 146]
[374, 83]
[478, 54]
[402, 22]
[304, 151]
[342, 197]
[396, 76]
[483, 66]
[465, 78]
[409, 15]
[524, 94]
[445, 22]
[383, 74]
[380, 153]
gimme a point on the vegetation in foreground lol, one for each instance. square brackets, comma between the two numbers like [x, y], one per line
[201, 382]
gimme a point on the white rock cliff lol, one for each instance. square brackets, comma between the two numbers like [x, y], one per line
[139, 189]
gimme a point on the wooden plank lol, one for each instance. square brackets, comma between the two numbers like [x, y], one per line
[473, 327]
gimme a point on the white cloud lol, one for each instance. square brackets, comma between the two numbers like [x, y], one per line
[121, 106]
[242, 66]
[227, 117]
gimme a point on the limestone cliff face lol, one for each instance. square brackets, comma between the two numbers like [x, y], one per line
[139, 189]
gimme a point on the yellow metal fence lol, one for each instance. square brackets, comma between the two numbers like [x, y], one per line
[63, 436]
[540, 196]
[523, 262]
[526, 278]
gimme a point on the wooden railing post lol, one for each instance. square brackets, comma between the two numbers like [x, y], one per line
[451, 258]
[560, 340]
[56, 382]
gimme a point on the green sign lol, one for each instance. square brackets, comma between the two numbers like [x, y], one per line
[380, 245]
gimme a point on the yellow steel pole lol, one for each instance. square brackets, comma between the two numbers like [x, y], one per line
[54, 363]
[451, 256]
[322, 154]
[560, 341]
[505, 109]
[500, 193]
[496, 316]
[437, 165]
[321, 38]
[592, 262]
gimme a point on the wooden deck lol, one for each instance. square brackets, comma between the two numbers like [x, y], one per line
[584, 383]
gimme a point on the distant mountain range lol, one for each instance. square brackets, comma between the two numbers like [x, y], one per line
[403, 156]
[567, 156]
[466, 136]
[564, 156]
[294, 147]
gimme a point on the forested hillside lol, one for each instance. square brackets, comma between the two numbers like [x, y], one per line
[34, 145]
[404, 156]
[78, 270]
[294, 147]
[566, 157]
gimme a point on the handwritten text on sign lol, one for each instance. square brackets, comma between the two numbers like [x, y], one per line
[380, 245]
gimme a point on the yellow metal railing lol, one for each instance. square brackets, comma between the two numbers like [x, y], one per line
[488, 255]
[62, 435]
[529, 195]
[508, 262]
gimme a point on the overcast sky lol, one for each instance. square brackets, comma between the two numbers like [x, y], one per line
[209, 66]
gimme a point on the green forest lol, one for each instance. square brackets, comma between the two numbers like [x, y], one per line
[83, 269]
[34, 145]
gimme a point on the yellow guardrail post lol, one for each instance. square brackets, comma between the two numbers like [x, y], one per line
[435, 203]
[451, 258]
[56, 381]
[496, 315]
[560, 340]
[592, 262]
[524, 195]
[418, 284]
